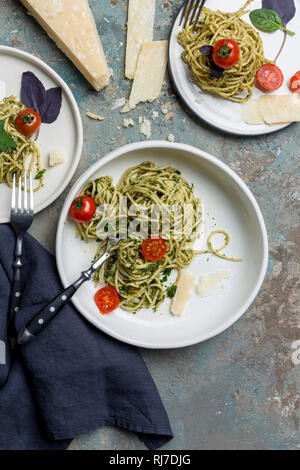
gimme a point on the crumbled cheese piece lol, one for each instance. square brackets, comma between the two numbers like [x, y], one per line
[149, 75]
[154, 115]
[141, 14]
[145, 128]
[56, 157]
[140, 119]
[164, 110]
[183, 292]
[118, 104]
[72, 26]
[126, 108]
[208, 284]
[171, 138]
[127, 123]
[94, 116]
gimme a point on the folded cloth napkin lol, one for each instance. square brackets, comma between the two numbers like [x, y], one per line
[72, 378]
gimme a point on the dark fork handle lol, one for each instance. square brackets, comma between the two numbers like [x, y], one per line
[14, 304]
[40, 321]
[17, 286]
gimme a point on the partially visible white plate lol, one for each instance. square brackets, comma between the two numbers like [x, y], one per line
[220, 113]
[65, 133]
[228, 204]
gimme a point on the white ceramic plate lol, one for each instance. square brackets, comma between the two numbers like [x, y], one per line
[228, 205]
[65, 133]
[220, 113]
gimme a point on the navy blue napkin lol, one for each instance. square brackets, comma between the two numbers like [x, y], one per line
[72, 378]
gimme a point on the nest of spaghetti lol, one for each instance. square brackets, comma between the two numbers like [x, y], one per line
[238, 82]
[140, 283]
[25, 157]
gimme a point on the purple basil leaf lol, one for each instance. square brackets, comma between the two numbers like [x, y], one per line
[285, 8]
[215, 70]
[52, 105]
[206, 50]
[32, 92]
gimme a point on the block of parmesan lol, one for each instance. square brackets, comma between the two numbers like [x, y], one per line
[141, 14]
[70, 23]
[183, 292]
[149, 75]
[272, 109]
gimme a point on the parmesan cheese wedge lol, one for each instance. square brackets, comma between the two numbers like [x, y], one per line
[149, 74]
[70, 23]
[183, 292]
[141, 14]
[272, 109]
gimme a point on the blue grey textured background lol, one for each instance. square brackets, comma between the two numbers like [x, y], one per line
[240, 390]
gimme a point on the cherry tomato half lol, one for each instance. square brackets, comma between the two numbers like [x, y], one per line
[295, 82]
[107, 299]
[82, 209]
[154, 249]
[28, 122]
[269, 77]
[226, 53]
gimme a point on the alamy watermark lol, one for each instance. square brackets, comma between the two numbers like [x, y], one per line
[142, 221]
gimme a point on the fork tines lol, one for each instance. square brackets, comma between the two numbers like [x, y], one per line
[191, 9]
[22, 202]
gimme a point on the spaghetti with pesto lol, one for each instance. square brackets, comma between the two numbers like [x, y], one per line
[25, 156]
[238, 82]
[140, 283]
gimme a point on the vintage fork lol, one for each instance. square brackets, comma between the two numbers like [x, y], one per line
[21, 217]
[40, 321]
[189, 11]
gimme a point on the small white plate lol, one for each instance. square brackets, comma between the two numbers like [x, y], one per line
[228, 204]
[221, 113]
[65, 133]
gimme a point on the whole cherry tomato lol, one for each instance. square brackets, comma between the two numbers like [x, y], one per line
[27, 122]
[226, 53]
[82, 209]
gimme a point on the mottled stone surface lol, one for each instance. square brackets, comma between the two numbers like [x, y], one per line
[239, 390]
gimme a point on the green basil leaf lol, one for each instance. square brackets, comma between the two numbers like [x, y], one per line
[39, 175]
[6, 141]
[266, 20]
[171, 291]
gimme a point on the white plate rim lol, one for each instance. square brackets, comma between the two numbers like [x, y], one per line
[78, 122]
[198, 154]
[201, 115]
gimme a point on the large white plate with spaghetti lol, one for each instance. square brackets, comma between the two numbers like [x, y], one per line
[219, 112]
[228, 204]
[65, 133]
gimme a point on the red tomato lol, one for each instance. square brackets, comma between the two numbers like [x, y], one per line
[28, 122]
[154, 249]
[107, 299]
[82, 208]
[226, 53]
[269, 77]
[295, 82]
